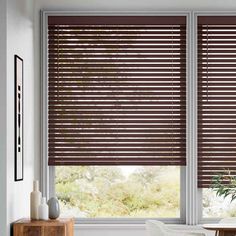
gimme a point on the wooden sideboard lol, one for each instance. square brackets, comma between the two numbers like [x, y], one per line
[59, 227]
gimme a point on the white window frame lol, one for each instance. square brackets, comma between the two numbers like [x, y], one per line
[201, 219]
[190, 195]
[48, 172]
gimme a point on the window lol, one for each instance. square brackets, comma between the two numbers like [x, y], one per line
[216, 106]
[116, 89]
[116, 105]
[119, 191]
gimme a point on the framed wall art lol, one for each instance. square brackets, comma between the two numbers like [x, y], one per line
[19, 118]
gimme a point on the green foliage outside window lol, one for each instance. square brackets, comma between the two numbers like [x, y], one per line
[108, 191]
[225, 185]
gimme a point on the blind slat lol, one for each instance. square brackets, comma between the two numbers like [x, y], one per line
[216, 97]
[117, 90]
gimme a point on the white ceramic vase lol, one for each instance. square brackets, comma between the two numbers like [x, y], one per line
[43, 210]
[35, 200]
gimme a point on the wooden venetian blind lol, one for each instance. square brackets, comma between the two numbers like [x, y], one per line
[116, 90]
[216, 97]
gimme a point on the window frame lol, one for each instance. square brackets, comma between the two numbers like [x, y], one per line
[128, 220]
[195, 14]
[48, 172]
[190, 195]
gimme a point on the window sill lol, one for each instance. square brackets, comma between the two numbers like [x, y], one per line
[133, 226]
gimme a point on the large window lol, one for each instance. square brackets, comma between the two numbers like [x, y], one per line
[216, 108]
[116, 96]
[140, 114]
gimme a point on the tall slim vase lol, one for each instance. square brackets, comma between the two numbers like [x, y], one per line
[35, 201]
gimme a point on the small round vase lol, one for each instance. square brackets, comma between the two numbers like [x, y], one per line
[53, 208]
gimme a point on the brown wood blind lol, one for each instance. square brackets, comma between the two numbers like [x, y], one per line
[116, 90]
[216, 97]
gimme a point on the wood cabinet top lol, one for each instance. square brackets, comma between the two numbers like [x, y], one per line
[59, 221]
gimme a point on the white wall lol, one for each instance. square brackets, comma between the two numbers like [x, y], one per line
[3, 116]
[20, 42]
[110, 5]
[135, 5]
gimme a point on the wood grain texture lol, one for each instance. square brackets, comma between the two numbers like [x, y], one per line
[55, 231]
[59, 227]
[32, 230]
[227, 233]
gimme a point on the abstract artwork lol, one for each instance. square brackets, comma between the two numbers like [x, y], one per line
[19, 168]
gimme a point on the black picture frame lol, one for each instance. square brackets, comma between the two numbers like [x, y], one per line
[19, 118]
